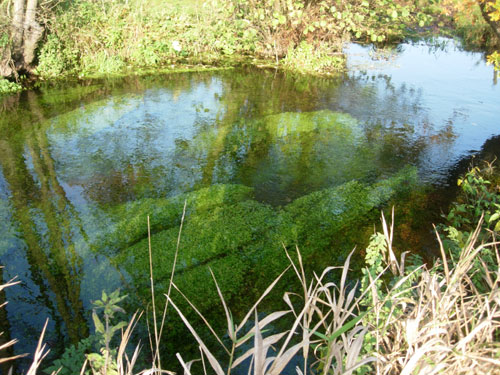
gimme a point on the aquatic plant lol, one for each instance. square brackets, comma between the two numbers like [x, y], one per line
[229, 239]
[165, 213]
[293, 125]
[320, 216]
[239, 239]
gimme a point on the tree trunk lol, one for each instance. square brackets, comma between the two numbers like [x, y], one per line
[32, 32]
[17, 24]
[6, 63]
[25, 33]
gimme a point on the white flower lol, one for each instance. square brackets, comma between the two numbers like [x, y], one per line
[176, 46]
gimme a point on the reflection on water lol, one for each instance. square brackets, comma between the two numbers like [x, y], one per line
[75, 162]
[457, 96]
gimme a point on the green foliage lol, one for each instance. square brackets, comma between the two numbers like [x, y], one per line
[109, 305]
[306, 58]
[90, 37]
[104, 362]
[287, 24]
[8, 87]
[381, 287]
[54, 58]
[97, 348]
[479, 197]
[376, 253]
[71, 361]
[101, 63]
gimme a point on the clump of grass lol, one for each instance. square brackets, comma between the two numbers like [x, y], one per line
[435, 320]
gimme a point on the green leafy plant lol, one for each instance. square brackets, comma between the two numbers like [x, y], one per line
[8, 87]
[305, 58]
[105, 362]
[73, 357]
[478, 202]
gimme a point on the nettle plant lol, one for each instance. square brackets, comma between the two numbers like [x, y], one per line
[106, 359]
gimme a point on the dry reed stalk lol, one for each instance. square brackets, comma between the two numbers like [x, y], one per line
[442, 323]
[41, 352]
[327, 320]
[10, 343]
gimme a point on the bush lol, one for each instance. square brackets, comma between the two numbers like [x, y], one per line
[8, 87]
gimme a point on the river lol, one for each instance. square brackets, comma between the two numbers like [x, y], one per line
[262, 159]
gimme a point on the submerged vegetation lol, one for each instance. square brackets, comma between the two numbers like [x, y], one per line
[401, 316]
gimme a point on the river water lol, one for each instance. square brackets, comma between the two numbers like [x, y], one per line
[261, 158]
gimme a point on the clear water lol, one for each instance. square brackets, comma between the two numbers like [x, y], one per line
[78, 163]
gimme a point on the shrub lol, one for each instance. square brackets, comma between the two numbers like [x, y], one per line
[8, 87]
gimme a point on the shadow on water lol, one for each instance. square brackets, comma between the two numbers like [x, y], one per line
[261, 159]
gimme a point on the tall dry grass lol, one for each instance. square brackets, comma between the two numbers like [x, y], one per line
[441, 323]
[426, 320]
[41, 350]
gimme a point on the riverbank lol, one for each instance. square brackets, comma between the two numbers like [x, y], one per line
[87, 39]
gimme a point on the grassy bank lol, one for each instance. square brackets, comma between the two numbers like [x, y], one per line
[88, 38]
[402, 316]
